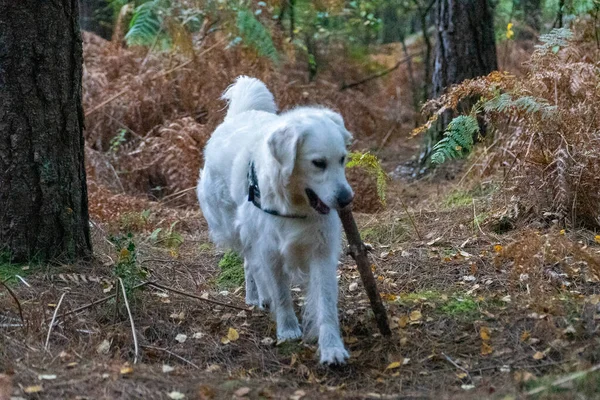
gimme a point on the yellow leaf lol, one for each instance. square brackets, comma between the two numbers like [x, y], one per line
[525, 335]
[415, 316]
[485, 333]
[538, 355]
[33, 389]
[461, 375]
[486, 349]
[562, 231]
[394, 365]
[126, 370]
[497, 248]
[351, 340]
[403, 321]
[597, 238]
[232, 335]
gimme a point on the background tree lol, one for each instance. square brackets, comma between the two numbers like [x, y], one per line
[43, 193]
[465, 48]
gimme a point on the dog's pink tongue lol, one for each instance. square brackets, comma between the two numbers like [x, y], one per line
[322, 208]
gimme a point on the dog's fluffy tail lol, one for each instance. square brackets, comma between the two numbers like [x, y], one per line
[248, 94]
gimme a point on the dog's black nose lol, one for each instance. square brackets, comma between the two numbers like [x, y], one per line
[344, 197]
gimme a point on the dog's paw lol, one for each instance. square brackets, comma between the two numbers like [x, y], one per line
[334, 356]
[252, 301]
[289, 334]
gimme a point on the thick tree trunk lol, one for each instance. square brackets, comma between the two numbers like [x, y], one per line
[43, 193]
[465, 48]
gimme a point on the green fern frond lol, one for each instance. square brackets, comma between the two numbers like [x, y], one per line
[372, 165]
[146, 23]
[527, 104]
[458, 140]
[256, 35]
[553, 41]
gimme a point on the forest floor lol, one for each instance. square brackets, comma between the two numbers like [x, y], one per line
[467, 321]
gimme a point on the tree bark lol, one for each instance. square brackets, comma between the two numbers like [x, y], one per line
[43, 193]
[532, 11]
[465, 48]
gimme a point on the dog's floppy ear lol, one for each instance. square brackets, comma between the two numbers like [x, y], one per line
[283, 145]
[339, 121]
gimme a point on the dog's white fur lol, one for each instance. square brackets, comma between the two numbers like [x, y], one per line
[278, 250]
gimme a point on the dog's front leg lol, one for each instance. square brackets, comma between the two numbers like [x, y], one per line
[323, 297]
[282, 304]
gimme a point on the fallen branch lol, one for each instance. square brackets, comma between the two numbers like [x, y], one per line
[135, 342]
[377, 75]
[173, 354]
[193, 296]
[358, 251]
[99, 301]
[14, 296]
[53, 319]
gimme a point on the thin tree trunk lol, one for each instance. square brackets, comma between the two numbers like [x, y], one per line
[43, 193]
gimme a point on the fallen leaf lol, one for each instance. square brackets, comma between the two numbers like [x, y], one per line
[486, 349]
[538, 355]
[180, 316]
[48, 377]
[351, 340]
[167, 368]
[104, 347]
[415, 316]
[198, 335]
[241, 392]
[233, 335]
[126, 370]
[403, 321]
[497, 248]
[298, 394]
[485, 333]
[33, 389]
[525, 336]
[597, 239]
[394, 365]
[267, 341]
[175, 395]
[181, 338]
[462, 375]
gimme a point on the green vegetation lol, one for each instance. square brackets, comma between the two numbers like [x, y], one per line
[232, 271]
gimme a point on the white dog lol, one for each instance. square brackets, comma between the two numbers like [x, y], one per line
[267, 191]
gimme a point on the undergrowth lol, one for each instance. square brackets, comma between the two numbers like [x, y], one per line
[232, 271]
[543, 129]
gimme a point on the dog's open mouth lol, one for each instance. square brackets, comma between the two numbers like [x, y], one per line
[316, 202]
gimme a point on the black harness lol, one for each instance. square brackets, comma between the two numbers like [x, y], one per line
[254, 195]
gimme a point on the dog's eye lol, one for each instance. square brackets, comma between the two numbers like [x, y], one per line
[321, 164]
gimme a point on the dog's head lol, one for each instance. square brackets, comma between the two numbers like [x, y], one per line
[310, 150]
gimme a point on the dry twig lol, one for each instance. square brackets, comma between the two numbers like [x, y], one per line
[451, 361]
[193, 296]
[135, 342]
[173, 354]
[53, 319]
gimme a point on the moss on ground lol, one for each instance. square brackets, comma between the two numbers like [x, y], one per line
[232, 271]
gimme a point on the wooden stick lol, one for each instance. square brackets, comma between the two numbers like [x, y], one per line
[135, 342]
[358, 251]
[193, 296]
[173, 354]
[53, 319]
[377, 75]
